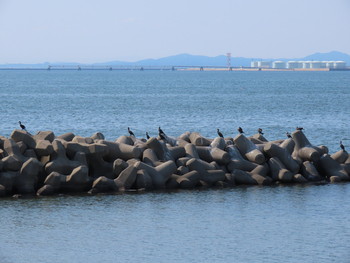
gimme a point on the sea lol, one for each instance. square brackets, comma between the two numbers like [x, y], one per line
[286, 223]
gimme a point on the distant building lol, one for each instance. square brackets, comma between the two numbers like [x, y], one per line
[254, 64]
[299, 64]
[279, 64]
[260, 64]
[294, 64]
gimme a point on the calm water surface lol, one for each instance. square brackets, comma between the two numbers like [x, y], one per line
[109, 101]
[254, 224]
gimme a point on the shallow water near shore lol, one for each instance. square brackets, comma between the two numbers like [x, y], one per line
[243, 224]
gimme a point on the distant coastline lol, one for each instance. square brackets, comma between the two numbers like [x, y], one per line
[167, 68]
[185, 60]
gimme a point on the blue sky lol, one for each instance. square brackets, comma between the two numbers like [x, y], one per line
[88, 31]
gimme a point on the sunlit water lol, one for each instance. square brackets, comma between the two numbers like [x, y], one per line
[254, 224]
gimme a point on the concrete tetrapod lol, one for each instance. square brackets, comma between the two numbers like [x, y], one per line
[159, 174]
[191, 151]
[124, 181]
[59, 161]
[288, 145]
[303, 148]
[279, 171]
[309, 171]
[331, 167]
[97, 165]
[248, 149]
[103, 185]
[7, 180]
[188, 180]
[24, 136]
[273, 150]
[143, 180]
[126, 178]
[26, 181]
[14, 159]
[43, 148]
[237, 161]
[208, 176]
[149, 157]
[121, 150]
[77, 181]
[214, 152]
[118, 166]
[198, 140]
[159, 149]
[97, 136]
[340, 156]
[44, 135]
[66, 137]
[256, 176]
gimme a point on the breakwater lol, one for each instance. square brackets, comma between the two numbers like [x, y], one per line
[45, 164]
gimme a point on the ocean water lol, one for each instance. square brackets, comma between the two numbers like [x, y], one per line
[243, 224]
[85, 102]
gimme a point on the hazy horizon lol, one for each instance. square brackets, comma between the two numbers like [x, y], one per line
[86, 31]
[135, 61]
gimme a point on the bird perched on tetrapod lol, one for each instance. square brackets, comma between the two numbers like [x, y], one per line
[130, 132]
[240, 130]
[22, 126]
[219, 133]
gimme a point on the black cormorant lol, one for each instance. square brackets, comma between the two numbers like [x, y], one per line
[342, 146]
[162, 136]
[22, 126]
[147, 136]
[240, 130]
[130, 132]
[288, 135]
[260, 131]
[160, 130]
[219, 133]
[299, 128]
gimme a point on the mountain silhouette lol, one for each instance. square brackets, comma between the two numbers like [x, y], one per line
[192, 60]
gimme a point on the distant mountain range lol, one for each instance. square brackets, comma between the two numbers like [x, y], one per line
[194, 60]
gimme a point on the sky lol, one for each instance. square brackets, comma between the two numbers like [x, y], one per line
[87, 31]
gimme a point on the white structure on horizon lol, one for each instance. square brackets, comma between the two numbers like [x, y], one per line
[299, 64]
[260, 64]
[279, 64]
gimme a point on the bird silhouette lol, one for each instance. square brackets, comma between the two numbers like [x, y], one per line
[147, 136]
[219, 133]
[342, 146]
[162, 136]
[299, 128]
[22, 126]
[130, 132]
[260, 131]
[288, 135]
[160, 130]
[240, 130]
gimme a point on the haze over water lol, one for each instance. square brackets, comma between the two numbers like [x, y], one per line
[243, 224]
